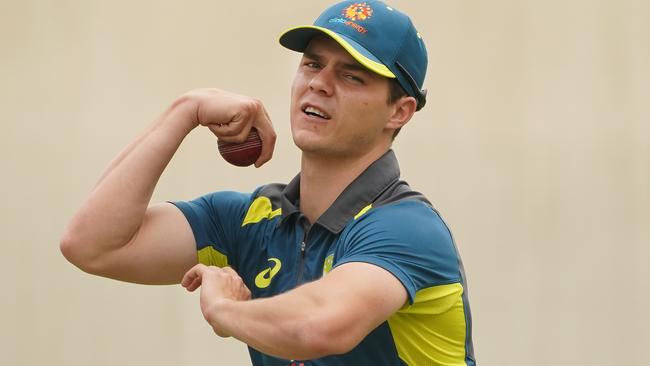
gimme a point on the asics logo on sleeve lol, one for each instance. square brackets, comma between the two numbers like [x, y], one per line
[263, 279]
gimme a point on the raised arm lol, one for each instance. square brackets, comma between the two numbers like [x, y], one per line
[116, 233]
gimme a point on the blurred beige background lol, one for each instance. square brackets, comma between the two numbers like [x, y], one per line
[534, 145]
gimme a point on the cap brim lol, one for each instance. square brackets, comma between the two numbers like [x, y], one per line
[298, 38]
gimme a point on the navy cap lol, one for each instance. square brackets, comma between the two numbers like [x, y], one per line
[379, 37]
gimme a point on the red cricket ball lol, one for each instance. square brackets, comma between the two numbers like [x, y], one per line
[242, 154]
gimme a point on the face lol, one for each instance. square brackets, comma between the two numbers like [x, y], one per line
[338, 108]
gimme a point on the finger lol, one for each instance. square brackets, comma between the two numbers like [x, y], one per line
[244, 292]
[196, 283]
[191, 274]
[242, 136]
[188, 278]
[241, 290]
[229, 132]
[268, 137]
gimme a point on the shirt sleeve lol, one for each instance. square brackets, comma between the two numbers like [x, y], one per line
[215, 220]
[409, 240]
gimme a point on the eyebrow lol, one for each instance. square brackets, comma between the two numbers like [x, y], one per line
[344, 65]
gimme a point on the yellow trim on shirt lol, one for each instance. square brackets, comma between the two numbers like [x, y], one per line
[259, 210]
[212, 257]
[432, 331]
[362, 211]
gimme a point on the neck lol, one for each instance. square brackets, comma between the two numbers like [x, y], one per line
[323, 179]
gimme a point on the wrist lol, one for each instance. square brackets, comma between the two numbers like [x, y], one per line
[217, 315]
[182, 112]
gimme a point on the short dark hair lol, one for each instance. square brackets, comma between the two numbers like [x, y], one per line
[395, 93]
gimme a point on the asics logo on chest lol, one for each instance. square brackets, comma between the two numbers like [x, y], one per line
[263, 279]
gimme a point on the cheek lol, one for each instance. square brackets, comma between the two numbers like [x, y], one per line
[369, 109]
[375, 113]
[296, 91]
[299, 81]
[293, 89]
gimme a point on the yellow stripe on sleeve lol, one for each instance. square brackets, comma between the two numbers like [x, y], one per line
[212, 257]
[432, 331]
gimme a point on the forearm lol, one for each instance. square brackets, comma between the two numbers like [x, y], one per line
[294, 325]
[324, 317]
[112, 213]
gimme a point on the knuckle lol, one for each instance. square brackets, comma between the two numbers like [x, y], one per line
[244, 114]
[240, 138]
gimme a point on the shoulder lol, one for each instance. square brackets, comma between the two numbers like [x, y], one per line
[214, 203]
[413, 220]
[224, 199]
[403, 210]
[231, 203]
[408, 229]
[403, 215]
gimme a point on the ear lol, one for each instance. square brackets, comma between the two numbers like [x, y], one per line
[403, 110]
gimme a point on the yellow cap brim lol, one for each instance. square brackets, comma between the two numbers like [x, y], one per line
[372, 65]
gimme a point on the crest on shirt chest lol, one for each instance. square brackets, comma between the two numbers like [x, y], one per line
[327, 264]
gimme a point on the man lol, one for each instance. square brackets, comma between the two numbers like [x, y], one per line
[345, 265]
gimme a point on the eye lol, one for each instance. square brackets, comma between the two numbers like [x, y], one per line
[312, 64]
[353, 78]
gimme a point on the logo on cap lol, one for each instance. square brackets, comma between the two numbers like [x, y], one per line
[358, 11]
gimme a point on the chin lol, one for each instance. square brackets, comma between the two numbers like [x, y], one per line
[307, 143]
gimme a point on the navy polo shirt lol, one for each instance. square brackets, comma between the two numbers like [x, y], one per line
[377, 219]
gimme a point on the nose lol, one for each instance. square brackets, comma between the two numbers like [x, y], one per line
[322, 81]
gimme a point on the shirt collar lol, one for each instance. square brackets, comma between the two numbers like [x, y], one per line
[361, 192]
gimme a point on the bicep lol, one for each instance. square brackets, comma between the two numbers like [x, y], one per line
[160, 252]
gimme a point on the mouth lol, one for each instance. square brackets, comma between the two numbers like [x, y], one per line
[313, 111]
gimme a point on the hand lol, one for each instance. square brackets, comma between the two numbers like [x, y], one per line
[231, 116]
[217, 284]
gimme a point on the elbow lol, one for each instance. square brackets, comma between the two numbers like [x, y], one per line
[74, 250]
[68, 247]
[71, 249]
